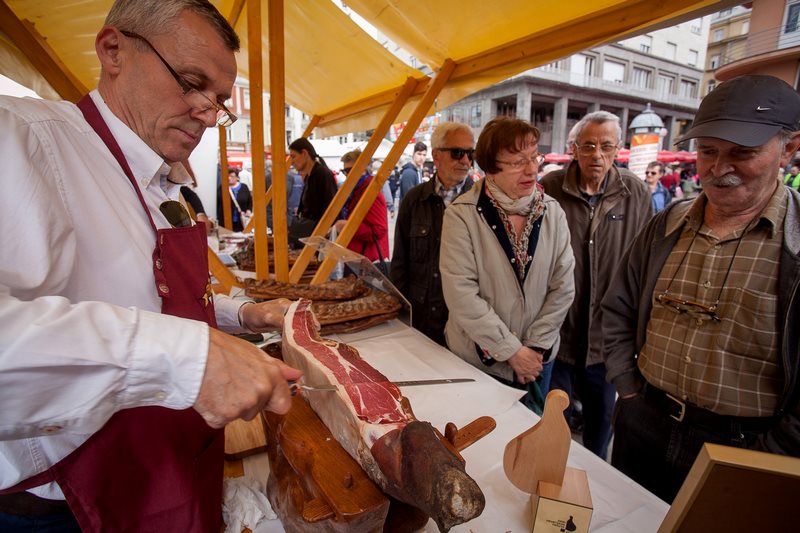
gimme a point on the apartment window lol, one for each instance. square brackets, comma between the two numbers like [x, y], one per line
[641, 78]
[248, 132]
[710, 86]
[286, 110]
[672, 51]
[688, 89]
[664, 85]
[646, 45]
[613, 71]
[792, 16]
[714, 63]
[692, 61]
[582, 65]
[725, 12]
[475, 116]
[696, 26]
[246, 98]
[745, 27]
[719, 34]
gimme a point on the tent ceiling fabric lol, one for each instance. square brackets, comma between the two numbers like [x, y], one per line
[332, 63]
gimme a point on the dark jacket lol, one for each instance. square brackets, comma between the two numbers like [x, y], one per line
[409, 178]
[599, 236]
[243, 198]
[415, 258]
[318, 192]
[628, 303]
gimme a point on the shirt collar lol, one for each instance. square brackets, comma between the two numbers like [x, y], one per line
[144, 162]
[771, 217]
[438, 186]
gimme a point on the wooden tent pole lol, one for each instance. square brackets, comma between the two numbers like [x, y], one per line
[376, 185]
[255, 65]
[277, 101]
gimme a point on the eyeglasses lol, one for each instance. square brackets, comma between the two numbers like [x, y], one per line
[651, 173]
[696, 310]
[175, 213]
[458, 153]
[590, 148]
[193, 96]
[520, 164]
[346, 170]
[699, 312]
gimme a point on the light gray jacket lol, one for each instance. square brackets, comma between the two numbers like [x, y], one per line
[488, 308]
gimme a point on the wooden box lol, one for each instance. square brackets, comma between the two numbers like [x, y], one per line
[563, 508]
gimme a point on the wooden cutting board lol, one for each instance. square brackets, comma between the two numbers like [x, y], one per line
[243, 439]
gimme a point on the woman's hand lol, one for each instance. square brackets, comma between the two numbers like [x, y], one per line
[527, 364]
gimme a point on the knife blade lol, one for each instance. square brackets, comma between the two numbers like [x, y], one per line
[295, 386]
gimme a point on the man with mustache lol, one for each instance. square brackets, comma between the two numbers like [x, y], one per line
[114, 379]
[700, 324]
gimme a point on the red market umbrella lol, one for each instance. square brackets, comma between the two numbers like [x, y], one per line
[553, 157]
[623, 155]
[667, 157]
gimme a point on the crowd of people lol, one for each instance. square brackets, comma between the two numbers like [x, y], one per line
[116, 371]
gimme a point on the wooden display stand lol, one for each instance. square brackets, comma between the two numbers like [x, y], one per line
[536, 462]
[315, 486]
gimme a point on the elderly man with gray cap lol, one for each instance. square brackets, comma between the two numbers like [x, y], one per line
[700, 326]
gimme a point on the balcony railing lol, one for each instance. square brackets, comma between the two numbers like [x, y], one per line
[761, 42]
[619, 87]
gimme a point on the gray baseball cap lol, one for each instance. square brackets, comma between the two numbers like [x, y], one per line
[748, 110]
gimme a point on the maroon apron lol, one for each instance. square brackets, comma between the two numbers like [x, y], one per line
[150, 468]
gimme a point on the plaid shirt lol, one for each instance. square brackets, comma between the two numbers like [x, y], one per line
[731, 367]
[448, 194]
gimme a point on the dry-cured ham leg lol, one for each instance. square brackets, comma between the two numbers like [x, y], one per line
[402, 455]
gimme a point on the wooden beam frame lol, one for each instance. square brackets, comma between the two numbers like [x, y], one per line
[41, 55]
[277, 101]
[376, 185]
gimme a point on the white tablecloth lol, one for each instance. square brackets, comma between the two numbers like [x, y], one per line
[401, 353]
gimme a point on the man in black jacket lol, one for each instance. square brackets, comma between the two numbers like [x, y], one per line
[415, 259]
[411, 173]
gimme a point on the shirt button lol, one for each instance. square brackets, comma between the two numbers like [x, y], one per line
[513, 260]
[433, 308]
[161, 396]
[163, 288]
[158, 264]
[706, 284]
[717, 247]
[687, 359]
[49, 430]
[494, 226]
[591, 242]
[435, 274]
[684, 397]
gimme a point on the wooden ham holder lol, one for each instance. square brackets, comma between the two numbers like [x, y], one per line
[315, 486]
[536, 462]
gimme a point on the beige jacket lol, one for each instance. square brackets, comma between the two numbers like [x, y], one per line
[488, 307]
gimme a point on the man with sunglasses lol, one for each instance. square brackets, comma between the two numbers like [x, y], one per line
[418, 230]
[700, 324]
[659, 194]
[605, 207]
[114, 382]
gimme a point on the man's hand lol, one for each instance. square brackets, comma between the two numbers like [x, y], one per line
[339, 225]
[265, 316]
[240, 381]
[527, 364]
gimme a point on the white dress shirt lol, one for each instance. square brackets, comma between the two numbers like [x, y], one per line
[81, 334]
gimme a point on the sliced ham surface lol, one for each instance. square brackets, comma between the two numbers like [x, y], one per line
[402, 455]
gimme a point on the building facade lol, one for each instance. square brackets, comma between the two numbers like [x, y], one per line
[772, 44]
[726, 42]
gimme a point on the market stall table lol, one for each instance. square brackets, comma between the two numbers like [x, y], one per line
[402, 353]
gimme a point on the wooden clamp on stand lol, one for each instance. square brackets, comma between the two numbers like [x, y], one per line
[315, 486]
[536, 462]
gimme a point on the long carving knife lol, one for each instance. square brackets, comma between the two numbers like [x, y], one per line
[294, 386]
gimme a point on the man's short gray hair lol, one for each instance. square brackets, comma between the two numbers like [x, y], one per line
[445, 130]
[597, 117]
[157, 17]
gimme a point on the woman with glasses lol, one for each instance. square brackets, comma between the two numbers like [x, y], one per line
[506, 264]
